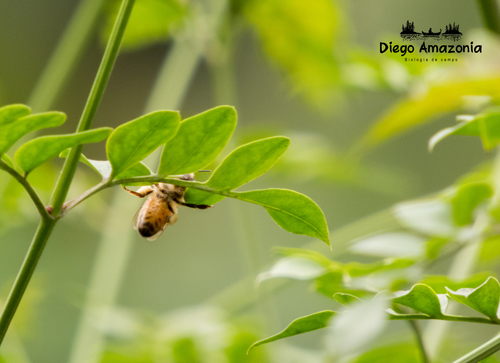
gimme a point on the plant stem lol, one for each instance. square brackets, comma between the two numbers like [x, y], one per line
[100, 82]
[116, 242]
[418, 336]
[491, 15]
[481, 352]
[32, 193]
[152, 180]
[464, 319]
[39, 240]
[66, 55]
[492, 345]
[47, 224]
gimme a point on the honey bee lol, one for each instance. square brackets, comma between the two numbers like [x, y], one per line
[160, 209]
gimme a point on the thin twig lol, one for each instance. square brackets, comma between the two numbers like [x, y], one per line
[415, 326]
[32, 193]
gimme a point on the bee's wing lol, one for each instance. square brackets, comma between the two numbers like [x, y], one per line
[158, 234]
[136, 218]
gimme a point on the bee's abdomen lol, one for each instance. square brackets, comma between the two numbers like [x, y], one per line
[147, 229]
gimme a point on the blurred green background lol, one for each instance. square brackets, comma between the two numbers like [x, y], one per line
[311, 72]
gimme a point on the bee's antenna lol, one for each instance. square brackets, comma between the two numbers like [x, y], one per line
[204, 171]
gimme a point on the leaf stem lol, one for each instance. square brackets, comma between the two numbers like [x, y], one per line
[481, 352]
[465, 319]
[39, 240]
[32, 193]
[92, 104]
[152, 179]
[415, 326]
[63, 184]
[490, 13]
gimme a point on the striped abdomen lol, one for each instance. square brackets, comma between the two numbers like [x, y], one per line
[154, 216]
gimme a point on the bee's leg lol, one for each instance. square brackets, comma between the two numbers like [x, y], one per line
[141, 192]
[191, 205]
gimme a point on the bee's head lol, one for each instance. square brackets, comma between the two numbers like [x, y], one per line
[162, 188]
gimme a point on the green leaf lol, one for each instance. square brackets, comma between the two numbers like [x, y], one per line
[300, 37]
[440, 283]
[11, 113]
[467, 198]
[15, 130]
[438, 98]
[423, 299]
[198, 142]
[392, 244]
[103, 167]
[490, 251]
[244, 164]
[486, 125]
[434, 246]
[432, 217]
[151, 22]
[292, 267]
[292, 211]
[344, 298]
[301, 325]
[42, 149]
[8, 160]
[356, 328]
[484, 298]
[405, 353]
[137, 170]
[133, 141]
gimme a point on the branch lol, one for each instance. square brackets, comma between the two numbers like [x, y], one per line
[32, 193]
[465, 319]
[95, 96]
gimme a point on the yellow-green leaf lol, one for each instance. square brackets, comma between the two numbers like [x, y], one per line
[42, 149]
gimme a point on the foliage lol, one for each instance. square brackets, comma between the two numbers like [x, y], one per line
[197, 145]
[429, 229]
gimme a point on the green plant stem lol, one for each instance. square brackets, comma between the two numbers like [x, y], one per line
[490, 14]
[492, 345]
[100, 82]
[116, 243]
[66, 55]
[152, 180]
[32, 193]
[415, 326]
[462, 266]
[481, 352]
[35, 251]
[47, 224]
[465, 319]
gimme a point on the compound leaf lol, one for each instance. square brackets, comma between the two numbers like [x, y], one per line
[13, 131]
[198, 142]
[467, 198]
[133, 141]
[244, 164]
[292, 211]
[423, 299]
[484, 298]
[486, 125]
[11, 113]
[103, 167]
[42, 149]
[301, 325]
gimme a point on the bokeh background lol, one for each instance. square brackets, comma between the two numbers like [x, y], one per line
[310, 71]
